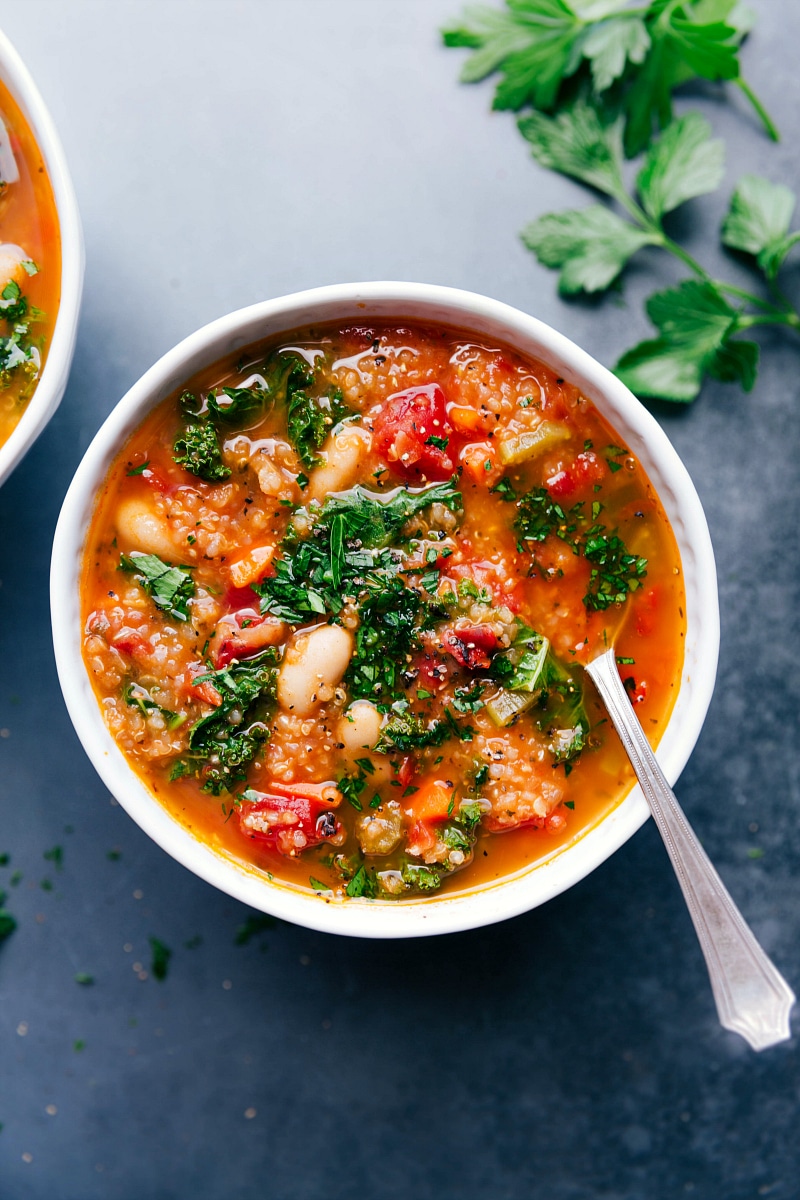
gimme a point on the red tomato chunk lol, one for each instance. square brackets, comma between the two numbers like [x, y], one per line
[409, 432]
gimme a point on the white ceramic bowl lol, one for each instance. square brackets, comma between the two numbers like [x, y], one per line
[485, 318]
[53, 379]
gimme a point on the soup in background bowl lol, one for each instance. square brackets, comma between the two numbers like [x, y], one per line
[323, 587]
[41, 263]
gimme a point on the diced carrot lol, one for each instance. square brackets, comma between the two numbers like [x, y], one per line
[432, 801]
[480, 463]
[250, 566]
[465, 420]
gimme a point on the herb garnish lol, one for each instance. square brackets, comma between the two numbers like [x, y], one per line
[170, 588]
[224, 743]
[546, 50]
[601, 78]
[197, 449]
[346, 551]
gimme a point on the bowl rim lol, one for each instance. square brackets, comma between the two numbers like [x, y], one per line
[398, 301]
[53, 379]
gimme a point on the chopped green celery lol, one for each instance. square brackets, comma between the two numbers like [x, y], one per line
[504, 705]
[527, 445]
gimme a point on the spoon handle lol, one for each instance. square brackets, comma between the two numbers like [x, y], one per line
[752, 997]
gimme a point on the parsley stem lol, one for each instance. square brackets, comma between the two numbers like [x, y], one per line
[732, 290]
[768, 123]
[792, 319]
[684, 255]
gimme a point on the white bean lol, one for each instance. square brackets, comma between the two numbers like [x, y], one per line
[343, 454]
[139, 524]
[313, 665]
[360, 727]
[11, 259]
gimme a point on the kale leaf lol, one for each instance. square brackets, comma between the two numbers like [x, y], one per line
[309, 420]
[222, 744]
[197, 449]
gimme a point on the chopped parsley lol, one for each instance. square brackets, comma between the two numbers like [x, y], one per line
[346, 552]
[160, 954]
[169, 587]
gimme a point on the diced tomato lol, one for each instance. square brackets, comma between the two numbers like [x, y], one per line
[131, 643]
[198, 691]
[421, 840]
[472, 646]
[245, 633]
[408, 769]
[237, 598]
[568, 478]
[404, 428]
[292, 817]
[432, 672]
[158, 480]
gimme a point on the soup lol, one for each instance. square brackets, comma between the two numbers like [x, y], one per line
[30, 264]
[337, 596]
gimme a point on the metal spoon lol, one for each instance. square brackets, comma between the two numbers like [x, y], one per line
[752, 997]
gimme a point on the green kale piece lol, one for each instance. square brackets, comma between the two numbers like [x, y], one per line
[197, 449]
[385, 635]
[170, 588]
[405, 732]
[224, 743]
[422, 878]
[242, 407]
[309, 420]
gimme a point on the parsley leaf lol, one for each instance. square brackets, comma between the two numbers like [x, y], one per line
[615, 573]
[346, 550]
[683, 163]
[609, 45]
[534, 44]
[590, 245]
[169, 587]
[577, 143]
[160, 954]
[695, 324]
[363, 883]
[540, 46]
[758, 222]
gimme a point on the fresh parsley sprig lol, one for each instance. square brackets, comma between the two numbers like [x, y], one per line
[598, 76]
[626, 58]
[698, 320]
